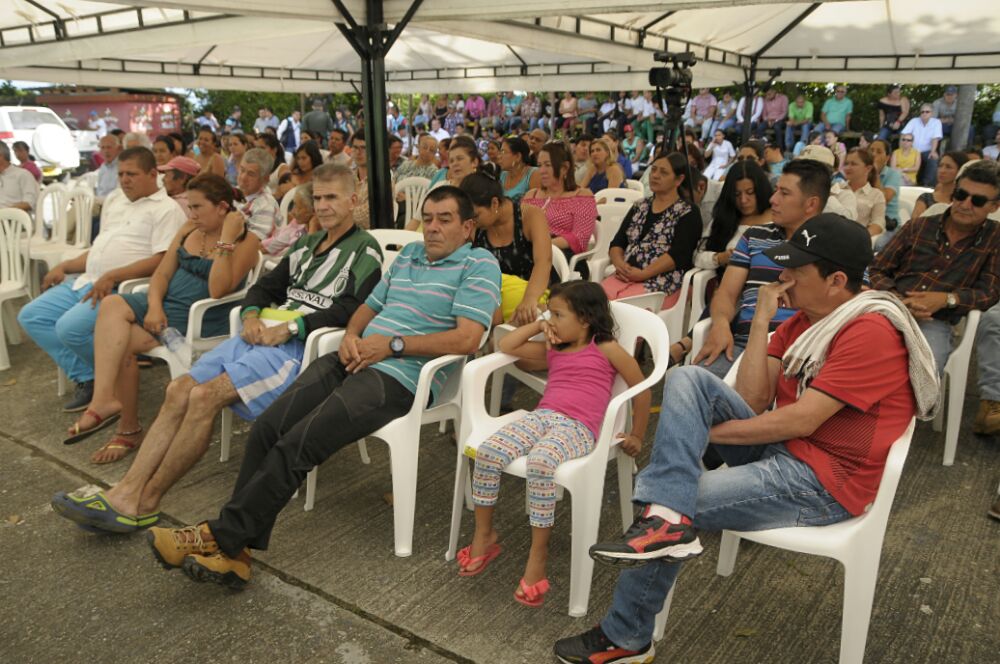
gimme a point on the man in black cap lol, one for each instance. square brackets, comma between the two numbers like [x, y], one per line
[815, 459]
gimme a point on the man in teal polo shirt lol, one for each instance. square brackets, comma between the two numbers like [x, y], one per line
[438, 298]
[836, 112]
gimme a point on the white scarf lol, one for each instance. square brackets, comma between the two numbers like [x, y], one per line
[806, 356]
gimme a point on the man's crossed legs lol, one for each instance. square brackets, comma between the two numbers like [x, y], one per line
[763, 487]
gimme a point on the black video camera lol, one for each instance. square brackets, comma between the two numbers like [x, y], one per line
[678, 75]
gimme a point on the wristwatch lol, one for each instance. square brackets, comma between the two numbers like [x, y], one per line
[396, 345]
[293, 328]
[951, 300]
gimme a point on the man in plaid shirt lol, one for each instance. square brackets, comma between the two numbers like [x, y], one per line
[946, 265]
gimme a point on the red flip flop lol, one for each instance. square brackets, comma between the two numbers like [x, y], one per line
[534, 594]
[465, 559]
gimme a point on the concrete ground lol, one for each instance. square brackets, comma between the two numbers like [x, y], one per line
[330, 589]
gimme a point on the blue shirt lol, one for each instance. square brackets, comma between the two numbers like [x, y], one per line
[761, 270]
[417, 297]
[890, 177]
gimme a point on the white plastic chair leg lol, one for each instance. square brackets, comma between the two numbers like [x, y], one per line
[728, 548]
[938, 422]
[496, 389]
[363, 451]
[227, 435]
[460, 494]
[661, 618]
[956, 401]
[586, 518]
[311, 489]
[403, 461]
[13, 330]
[62, 382]
[860, 577]
[626, 466]
[4, 357]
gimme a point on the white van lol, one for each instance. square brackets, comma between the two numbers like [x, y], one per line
[47, 136]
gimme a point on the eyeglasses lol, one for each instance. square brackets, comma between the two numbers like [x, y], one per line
[924, 112]
[906, 140]
[978, 200]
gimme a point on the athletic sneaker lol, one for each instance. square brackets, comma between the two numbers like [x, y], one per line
[650, 538]
[593, 647]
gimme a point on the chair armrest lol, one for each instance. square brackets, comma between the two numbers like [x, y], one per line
[235, 323]
[699, 333]
[474, 378]
[648, 301]
[597, 267]
[201, 307]
[582, 256]
[313, 347]
[432, 366]
[132, 285]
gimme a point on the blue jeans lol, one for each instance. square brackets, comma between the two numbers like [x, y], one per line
[988, 351]
[938, 335]
[63, 325]
[790, 134]
[835, 127]
[725, 125]
[764, 487]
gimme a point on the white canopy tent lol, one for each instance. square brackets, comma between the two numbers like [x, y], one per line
[464, 46]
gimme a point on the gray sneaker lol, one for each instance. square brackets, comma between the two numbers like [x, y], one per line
[82, 397]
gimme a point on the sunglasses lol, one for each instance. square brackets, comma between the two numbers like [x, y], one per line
[906, 140]
[978, 200]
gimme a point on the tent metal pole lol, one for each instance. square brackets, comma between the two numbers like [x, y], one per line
[371, 42]
[749, 91]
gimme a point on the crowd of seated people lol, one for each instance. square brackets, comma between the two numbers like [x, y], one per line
[790, 237]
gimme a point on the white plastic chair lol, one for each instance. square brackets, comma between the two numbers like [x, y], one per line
[620, 194]
[675, 317]
[81, 203]
[583, 477]
[609, 219]
[414, 188]
[391, 239]
[956, 373]
[402, 435]
[635, 185]
[15, 261]
[196, 342]
[50, 211]
[856, 543]
[907, 200]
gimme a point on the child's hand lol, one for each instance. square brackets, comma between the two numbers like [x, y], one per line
[631, 444]
[550, 334]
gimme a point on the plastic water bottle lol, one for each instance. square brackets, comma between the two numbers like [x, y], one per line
[177, 344]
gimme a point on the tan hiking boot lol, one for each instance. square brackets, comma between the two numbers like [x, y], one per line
[170, 545]
[988, 418]
[219, 568]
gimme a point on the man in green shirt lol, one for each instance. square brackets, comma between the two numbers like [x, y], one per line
[800, 117]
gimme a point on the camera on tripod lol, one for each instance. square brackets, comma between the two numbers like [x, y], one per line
[678, 75]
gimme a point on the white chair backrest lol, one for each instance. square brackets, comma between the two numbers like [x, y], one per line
[908, 199]
[81, 203]
[635, 185]
[15, 226]
[561, 265]
[286, 203]
[391, 239]
[878, 512]
[51, 211]
[87, 180]
[414, 188]
[620, 195]
[609, 219]
[256, 270]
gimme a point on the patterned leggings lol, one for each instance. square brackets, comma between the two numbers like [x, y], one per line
[548, 439]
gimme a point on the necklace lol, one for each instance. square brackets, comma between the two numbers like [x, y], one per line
[204, 239]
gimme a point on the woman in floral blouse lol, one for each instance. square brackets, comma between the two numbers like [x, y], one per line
[656, 242]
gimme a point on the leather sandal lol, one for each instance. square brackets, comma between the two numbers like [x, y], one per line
[120, 441]
[101, 423]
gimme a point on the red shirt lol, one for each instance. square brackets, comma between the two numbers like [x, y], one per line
[867, 369]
